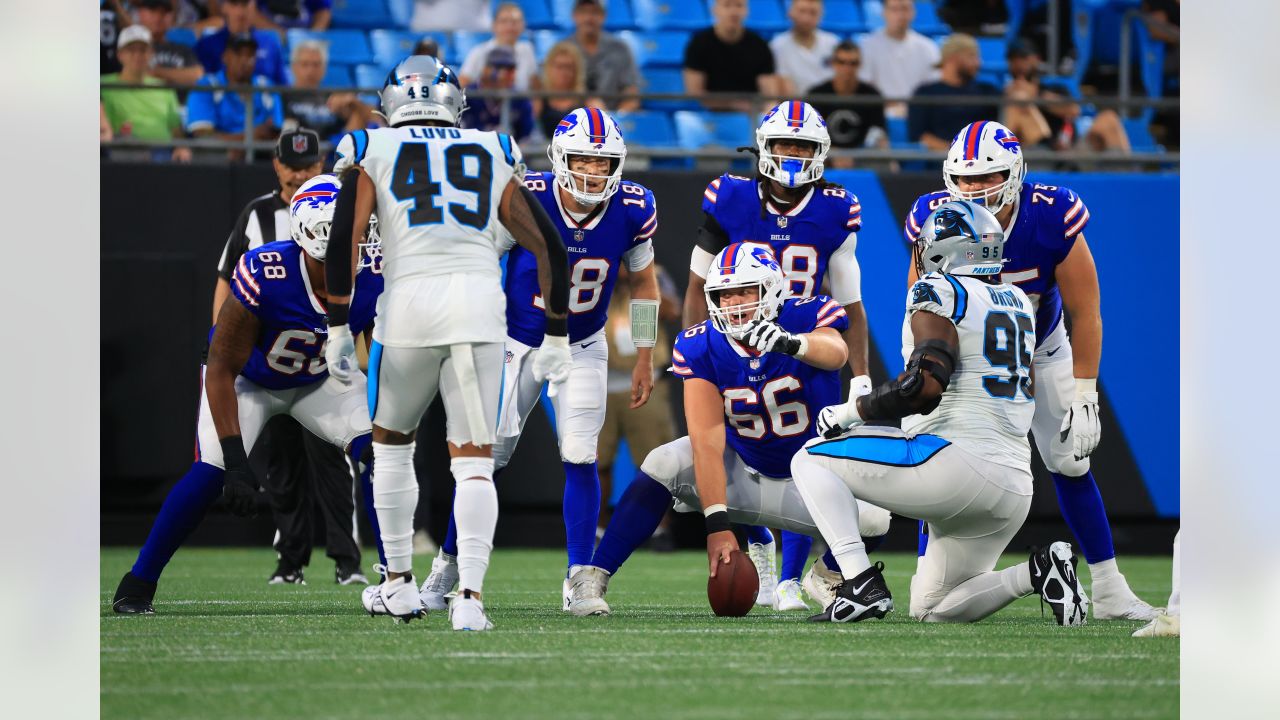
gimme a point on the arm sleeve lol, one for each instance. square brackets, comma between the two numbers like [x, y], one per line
[337, 257]
[640, 256]
[711, 236]
[846, 275]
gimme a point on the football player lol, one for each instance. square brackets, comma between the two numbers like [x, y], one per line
[1046, 255]
[755, 375]
[266, 358]
[446, 199]
[961, 461]
[812, 228]
[605, 222]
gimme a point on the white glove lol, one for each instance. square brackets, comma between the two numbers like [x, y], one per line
[835, 420]
[767, 336]
[340, 354]
[1082, 421]
[552, 362]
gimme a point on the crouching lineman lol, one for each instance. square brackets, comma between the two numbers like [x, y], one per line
[961, 463]
[767, 365]
[266, 358]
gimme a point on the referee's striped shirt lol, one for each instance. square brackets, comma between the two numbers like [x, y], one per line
[265, 219]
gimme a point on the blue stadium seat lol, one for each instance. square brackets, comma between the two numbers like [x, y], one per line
[696, 129]
[844, 17]
[647, 128]
[666, 80]
[872, 13]
[671, 14]
[401, 12]
[181, 36]
[620, 16]
[371, 76]
[1140, 135]
[657, 49]
[365, 14]
[927, 21]
[1095, 27]
[767, 16]
[537, 14]
[543, 40]
[993, 77]
[337, 76]
[392, 46]
[346, 47]
[897, 129]
[992, 51]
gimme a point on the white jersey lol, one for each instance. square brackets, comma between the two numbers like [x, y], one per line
[988, 405]
[438, 192]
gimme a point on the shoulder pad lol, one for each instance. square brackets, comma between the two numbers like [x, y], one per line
[939, 294]
[924, 205]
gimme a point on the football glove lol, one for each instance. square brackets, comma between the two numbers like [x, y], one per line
[340, 354]
[1082, 423]
[835, 420]
[239, 485]
[767, 336]
[552, 362]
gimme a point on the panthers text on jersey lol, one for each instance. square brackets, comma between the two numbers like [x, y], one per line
[988, 405]
[618, 230]
[271, 282]
[771, 400]
[1045, 224]
[803, 238]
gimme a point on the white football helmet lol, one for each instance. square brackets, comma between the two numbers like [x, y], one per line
[980, 148]
[311, 214]
[587, 131]
[794, 120]
[744, 265]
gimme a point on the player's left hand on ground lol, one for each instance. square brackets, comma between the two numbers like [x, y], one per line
[340, 354]
[719, 546]
[239, 485]
[1082, 422]
[641, 383]
[552, 362]
[768, 336]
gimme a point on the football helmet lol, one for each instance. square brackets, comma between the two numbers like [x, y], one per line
[980, 148]
[744, 265]
[793, 120]
[371, 249]
[593, 132]
[960, 237]
[421, 87]
[311, 214]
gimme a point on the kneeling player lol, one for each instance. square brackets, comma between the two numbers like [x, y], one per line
[767, 365]
[968, 340]
[265, 359]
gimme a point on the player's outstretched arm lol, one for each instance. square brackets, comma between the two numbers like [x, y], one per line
[645, 302]
[822, 347]
[704, 414]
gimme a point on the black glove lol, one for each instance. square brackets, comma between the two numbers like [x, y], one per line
[239, 487]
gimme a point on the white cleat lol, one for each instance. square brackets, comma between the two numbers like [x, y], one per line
[372, 601]
[821, 583]
[399, 599]
[586, 589]
[764, 557]
[1053, 577]
[788, 596]
[1113, 600]
[467, 613]
[566, 588]
[1162, 626]
[437, 586]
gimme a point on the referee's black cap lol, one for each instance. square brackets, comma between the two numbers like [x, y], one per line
[298, 148]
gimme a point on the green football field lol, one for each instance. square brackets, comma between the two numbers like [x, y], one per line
[224, 644]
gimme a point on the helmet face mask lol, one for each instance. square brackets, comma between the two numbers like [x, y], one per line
[982, 148]
[960, 237]
[799, 122]
[422, 89]
[587, 132]
[744, 266]
[371, 249]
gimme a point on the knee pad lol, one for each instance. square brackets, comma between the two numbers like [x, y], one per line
[922, 602]
[469, 468]
[663, 465]
[578, 449]
[873, 521]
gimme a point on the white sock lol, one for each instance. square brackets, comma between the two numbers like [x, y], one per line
[982, 595]
[475, 511]
[834, 511]
[395, 497]
[1175, 597]
[1105, 570]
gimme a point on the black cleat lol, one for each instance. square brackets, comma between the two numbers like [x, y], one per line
[1053, 577]
[286, 575]
[348, 575]
[134, 596]
[859, 598]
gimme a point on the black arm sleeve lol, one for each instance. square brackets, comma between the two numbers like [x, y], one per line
[558, 259]
[337, 257]
[712, 237]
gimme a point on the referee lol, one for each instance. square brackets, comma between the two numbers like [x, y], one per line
[287, 451]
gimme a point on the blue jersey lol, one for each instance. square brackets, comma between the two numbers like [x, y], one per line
[771, 401]
[1046, 223]
[271, 282]
[803, 238]
[620, 228]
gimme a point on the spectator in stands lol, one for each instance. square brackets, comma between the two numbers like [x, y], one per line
[508, 26]
[934, 126]
[897, 59]
[113, 18]
[451, 15]
[141, 113]
[280, 14]
[803, 55]
[1162, 18]
[427, 46]
[499, 73]
[329, 114]
[173, 63]
[237, 17]
[564, 70]
[610, 68]
[974, 16]
[222, 114]
[727, 57]
[850, 125]
[1058, 126]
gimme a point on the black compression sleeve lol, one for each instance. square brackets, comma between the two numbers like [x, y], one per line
[712, 237]
[337, 258]
[558, 258]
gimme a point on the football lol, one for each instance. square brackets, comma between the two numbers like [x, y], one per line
[732, 592]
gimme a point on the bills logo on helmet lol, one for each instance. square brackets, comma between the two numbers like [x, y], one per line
[765, 258]
[569, 122]
[316, 196]
[1007, 140]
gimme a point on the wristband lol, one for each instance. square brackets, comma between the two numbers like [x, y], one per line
[339, 314]
[233, 455]
[717, 518]
[558, 327]
[1086, 385]
[804, 346]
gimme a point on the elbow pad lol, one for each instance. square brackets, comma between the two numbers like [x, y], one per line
[903, 397]
[936, 358]
[337, 257]
[644, 323]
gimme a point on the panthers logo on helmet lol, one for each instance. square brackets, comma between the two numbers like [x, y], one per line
[949, 222]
